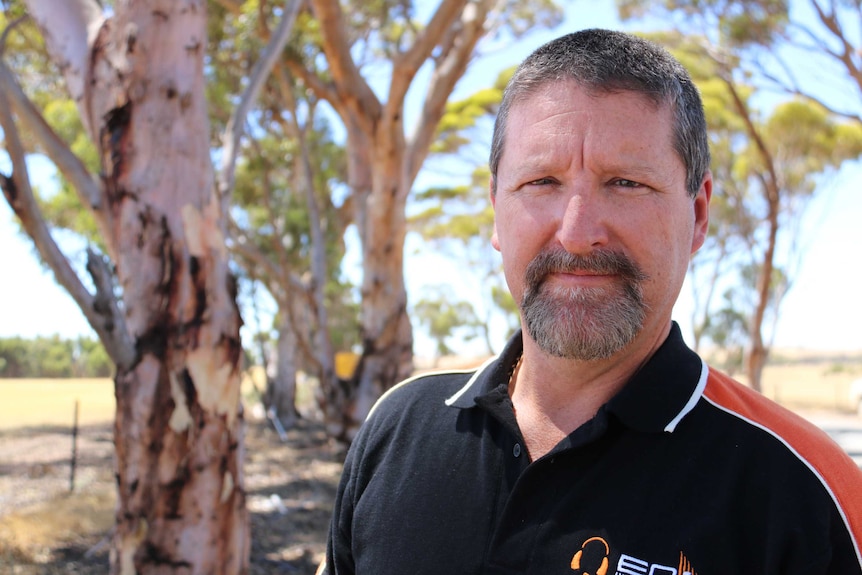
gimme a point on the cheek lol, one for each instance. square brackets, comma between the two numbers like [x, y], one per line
[662, 248]
[670, 261]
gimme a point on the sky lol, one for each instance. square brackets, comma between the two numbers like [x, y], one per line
[821, 312]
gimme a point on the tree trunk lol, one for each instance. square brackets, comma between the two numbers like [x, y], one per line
[281, 389]
[758, 353]
[379, 200]
[382, 167]
[178, 429]
[755, 359]
[387, 337]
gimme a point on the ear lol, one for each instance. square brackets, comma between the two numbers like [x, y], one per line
[701, 212]
[492, 193]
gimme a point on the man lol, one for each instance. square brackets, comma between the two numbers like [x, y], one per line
[597, 443]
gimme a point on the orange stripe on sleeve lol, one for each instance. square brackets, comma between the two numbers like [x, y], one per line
[834, 468]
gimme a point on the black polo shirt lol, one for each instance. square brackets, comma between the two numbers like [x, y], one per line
[683, 472]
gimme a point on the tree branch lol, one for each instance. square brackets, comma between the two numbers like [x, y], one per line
[118, 344]
[321, 89]
[234, 129]
[253, 256]
[449, 69]
[6, 31]
[69, 28]
[88, 189]
[405, 67]
[19, 195]
[352, 88]
[830, 21]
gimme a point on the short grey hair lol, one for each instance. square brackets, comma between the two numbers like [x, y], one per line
[605, 61]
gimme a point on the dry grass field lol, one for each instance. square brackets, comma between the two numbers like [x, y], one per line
[806, 380]
[46, 530]
[41, 402]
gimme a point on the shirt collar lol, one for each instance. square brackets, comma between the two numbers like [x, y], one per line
[655, 399]
[491, 374]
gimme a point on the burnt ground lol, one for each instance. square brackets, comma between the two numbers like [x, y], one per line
[46, 530]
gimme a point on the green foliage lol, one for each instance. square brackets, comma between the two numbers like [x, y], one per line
[727, 328]
[26, 55]
[503, 299]
[53, 357]
[459, 220]
[462, 116]
[809, 141]
[443, 316]
[739, 23]
[522, 17]
[767, 161]
[270, 204]
[461, 213]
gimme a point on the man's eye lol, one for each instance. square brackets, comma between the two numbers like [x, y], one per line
[624, 183]
[541, 182]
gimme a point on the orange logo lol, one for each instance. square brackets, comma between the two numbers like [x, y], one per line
[593, 554]
[593, 558]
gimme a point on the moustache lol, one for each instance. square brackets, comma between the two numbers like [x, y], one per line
[604, 262]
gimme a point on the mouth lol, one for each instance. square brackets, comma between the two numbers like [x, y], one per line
[598, 269]
[581, 278]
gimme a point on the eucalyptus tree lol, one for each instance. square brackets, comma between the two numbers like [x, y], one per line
[288, 232]
[807, 48]
[768, 162]
[368, 57]
[290, 208]
[159, 295]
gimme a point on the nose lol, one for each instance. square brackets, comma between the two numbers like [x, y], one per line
[583, 226]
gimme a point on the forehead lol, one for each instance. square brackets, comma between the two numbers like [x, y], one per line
[562, 125]
[566, 109]
[567, 95]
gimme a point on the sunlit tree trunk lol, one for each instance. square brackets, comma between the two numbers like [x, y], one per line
[383, 166]
[137, 77]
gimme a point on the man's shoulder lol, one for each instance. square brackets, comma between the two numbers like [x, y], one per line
[414, 409]
[757, 411]
[793, 436]
[425, 390]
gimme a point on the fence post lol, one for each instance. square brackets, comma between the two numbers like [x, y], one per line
[74, 460]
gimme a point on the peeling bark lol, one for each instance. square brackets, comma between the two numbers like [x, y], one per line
[178, 429]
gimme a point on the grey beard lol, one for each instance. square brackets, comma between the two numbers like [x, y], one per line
[586, 323]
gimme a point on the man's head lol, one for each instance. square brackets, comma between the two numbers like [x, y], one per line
[604, 61]
[600, 189]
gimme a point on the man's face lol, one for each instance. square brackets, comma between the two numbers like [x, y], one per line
[593, 220]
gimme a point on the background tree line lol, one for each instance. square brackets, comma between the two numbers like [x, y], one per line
[54, 357]
[210, 150]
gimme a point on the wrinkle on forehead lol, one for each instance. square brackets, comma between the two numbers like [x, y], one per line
[594, 134]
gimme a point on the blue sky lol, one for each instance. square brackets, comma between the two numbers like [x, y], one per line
[821, 312]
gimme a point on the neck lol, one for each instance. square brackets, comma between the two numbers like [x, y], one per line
[554, 396]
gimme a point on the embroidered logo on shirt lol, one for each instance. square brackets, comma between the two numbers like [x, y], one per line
[593, 554]
[594, 558]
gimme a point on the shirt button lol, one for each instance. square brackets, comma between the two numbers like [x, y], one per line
[516, 451]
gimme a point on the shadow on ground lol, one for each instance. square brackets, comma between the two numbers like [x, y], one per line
[45, 530]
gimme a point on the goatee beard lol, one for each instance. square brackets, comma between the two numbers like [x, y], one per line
[585, 324]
